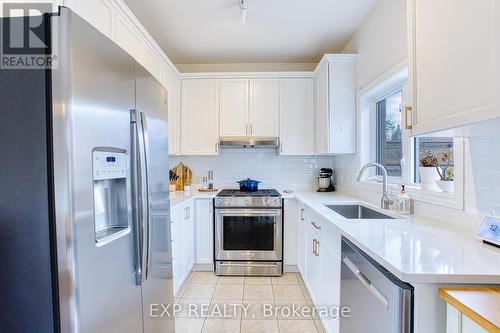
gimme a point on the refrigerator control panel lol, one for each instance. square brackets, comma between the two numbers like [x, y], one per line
[109, 165]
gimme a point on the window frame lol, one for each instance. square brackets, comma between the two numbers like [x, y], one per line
[405, 175]
[391, 82]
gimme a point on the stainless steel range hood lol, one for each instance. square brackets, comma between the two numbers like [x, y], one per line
[249, 142]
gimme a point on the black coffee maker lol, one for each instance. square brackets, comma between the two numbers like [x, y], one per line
[325, 180]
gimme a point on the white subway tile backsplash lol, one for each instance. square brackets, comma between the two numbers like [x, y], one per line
[274, 171]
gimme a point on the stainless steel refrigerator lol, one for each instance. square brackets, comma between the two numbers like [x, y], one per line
[84, 204]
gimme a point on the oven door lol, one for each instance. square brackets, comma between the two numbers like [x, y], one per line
[248, 234]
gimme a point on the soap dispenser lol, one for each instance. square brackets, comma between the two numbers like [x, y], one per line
[403, 202]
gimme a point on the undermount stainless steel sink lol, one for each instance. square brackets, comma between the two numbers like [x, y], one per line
[358, 212]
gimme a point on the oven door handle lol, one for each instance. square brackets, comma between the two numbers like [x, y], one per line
[248, 212]
[248, 265]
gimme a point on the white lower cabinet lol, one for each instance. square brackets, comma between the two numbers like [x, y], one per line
[182, 243]
[204, 224]
[329, 284]
[290, 233]
[177, 256]
[192, 238]
[311, 277]
[456, 322]
[319, 263]
[301, 237]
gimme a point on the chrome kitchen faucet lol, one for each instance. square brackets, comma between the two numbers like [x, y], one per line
[385, 202]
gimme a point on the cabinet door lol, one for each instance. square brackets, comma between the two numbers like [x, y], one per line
[290, 232]
[204, 231]
[199, 117]
[301, 239]
[128, 37]
[297, 116]
[322, 109]
[455, 66]
[188, 233]
[264, 111]
[234, 107]
[178, 257]
[342, 105]
[172, 84]
[312, 262]
[329, 283]
[97, 12]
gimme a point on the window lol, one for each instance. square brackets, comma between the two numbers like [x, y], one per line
[438, 147]
[389, 134]
[383, 139]
[391, 140]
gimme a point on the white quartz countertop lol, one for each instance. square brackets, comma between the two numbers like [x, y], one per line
[414, 249]
[180, 197]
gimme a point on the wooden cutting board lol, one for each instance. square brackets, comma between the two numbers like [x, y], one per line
[185, 176]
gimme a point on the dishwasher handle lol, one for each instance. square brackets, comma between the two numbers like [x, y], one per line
[367, 283]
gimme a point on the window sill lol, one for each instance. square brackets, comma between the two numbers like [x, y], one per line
[451, 200]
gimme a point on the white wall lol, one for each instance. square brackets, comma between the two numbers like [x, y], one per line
[380, 41]
[281, 172]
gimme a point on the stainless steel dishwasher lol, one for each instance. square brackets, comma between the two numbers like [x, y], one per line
[379, 302]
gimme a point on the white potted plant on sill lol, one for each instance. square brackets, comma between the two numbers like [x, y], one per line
[446, 174]
[427, 170]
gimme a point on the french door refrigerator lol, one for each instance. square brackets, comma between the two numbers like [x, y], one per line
[84, 203]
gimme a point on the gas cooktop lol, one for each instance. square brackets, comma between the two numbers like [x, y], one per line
[239, 193]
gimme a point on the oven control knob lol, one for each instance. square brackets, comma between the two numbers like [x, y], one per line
[223, 202]
[272, 202]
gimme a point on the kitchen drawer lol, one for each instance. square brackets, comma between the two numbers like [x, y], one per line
[330, 236]
[312, 221]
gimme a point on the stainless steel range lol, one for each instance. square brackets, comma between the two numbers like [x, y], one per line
[249, 233]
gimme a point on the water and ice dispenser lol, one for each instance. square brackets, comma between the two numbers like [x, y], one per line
[110, 194]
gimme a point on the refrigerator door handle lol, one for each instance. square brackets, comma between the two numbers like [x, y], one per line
[144, 195]
[135, 189]
[140, 194]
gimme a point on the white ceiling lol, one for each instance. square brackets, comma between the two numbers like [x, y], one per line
[276, 31]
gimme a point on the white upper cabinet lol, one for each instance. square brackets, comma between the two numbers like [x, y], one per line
[171, 81]
[249, 107]
[454, 61]
[336, 104]
[234, 107]
[296, 116]
[116, 21]
[264, 107]
[199, 117]
[96, 12]
[322, 109]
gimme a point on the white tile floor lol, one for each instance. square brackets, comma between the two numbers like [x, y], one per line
[236, 305]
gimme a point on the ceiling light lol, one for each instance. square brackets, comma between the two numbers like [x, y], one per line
[243, 12]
